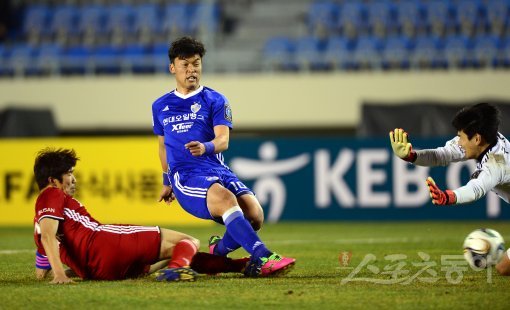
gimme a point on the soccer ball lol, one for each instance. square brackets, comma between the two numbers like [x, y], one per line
[483, 247]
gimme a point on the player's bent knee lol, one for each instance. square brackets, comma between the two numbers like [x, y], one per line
[193, 240]
[255, 216]
[196, 242]
[220, 200]
[257, 223]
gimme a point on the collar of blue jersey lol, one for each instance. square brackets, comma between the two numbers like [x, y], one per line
[493, 144]
[182, 96]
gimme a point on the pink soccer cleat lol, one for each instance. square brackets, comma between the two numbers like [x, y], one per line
[269, 266]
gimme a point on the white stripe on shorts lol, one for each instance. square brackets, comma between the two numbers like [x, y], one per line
[189, 191]
[126, 230]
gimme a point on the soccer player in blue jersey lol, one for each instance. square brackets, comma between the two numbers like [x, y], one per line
[193, 124]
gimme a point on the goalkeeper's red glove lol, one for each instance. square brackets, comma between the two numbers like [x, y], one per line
[438, 196]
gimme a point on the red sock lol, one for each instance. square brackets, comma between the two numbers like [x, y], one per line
[182, 254]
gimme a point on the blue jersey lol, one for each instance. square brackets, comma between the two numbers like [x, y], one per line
[184, 118]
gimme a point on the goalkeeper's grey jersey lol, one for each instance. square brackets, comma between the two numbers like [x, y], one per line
[492, 168]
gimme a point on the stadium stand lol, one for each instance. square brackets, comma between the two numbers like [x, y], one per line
[60, 37]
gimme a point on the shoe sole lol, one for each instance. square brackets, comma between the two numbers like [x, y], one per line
[185, 275]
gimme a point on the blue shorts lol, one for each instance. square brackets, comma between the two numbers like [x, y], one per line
[190, 188]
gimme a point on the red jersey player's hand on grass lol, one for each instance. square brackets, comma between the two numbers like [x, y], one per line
[438, 196]
[63, 279]
[196, 148]
[167, 194]
[401, 146]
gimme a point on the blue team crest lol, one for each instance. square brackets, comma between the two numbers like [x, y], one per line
[228, 112]
[195, 107]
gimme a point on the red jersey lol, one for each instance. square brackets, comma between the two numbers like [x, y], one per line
[75, 229]
[93, 250]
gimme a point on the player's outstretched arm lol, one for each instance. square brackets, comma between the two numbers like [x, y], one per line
[49, 240]
[438, 196]
[402, 148]
[167, 193]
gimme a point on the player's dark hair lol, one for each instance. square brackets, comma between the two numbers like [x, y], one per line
[482, 119]
[185, 47]
[51, 162]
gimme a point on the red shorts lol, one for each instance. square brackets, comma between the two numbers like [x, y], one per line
[122, 251]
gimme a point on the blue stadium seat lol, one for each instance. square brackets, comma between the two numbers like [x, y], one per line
[427, 53]
[486, 51]
[176, 19]
[457, 51]
[504, 55]
[440, 17]
[92, 21]
[4, 55]
[159, 54]
[396, 53]
[497, 12]
[36, 21]
[339, 53]
[382, 18]
[4, 60]
[279, 54]
[106, 59]
[411, 18]
[65, 20]
[47, 60]
[470, 17]
[204, 18]
[20, 57]
[367, 54]
[322, 17]
[136, 58]
[147, 23]
[76, 60]
[120, 20]
[308, 53]
[352, 20]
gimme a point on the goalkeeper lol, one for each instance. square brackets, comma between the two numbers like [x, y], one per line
[477, 138]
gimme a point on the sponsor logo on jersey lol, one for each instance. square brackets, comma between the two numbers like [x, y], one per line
[195, 107]
[44, 210]
[165, 109]
[212, 178]
[228, 112]
[182, 127]
[182, 117]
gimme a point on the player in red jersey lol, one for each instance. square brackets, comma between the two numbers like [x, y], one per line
[65, 233]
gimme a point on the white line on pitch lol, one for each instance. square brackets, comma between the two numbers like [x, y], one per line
[8, 252]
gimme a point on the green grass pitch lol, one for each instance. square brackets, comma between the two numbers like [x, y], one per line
[394, 265]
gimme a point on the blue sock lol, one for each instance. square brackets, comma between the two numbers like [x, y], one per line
[226, 245]
[242, 232]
